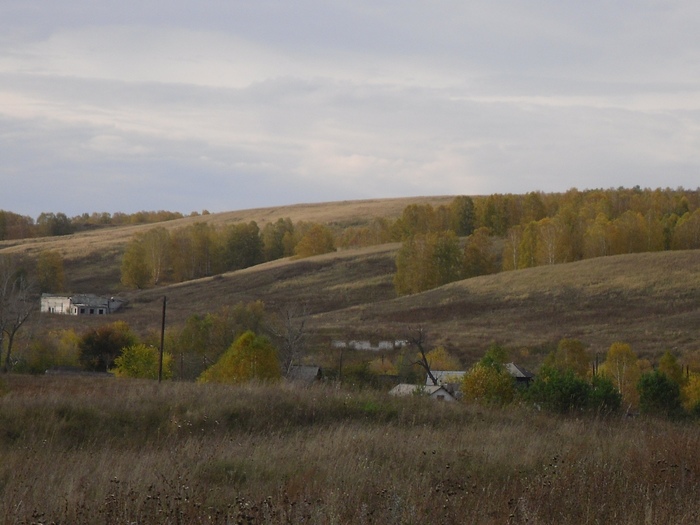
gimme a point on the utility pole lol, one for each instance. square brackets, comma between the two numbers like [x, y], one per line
[162, 342]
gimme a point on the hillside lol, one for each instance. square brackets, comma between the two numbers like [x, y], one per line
[648, 300]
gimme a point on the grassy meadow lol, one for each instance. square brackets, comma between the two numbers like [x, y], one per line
[102, 450]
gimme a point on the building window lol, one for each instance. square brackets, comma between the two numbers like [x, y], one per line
[82, 310]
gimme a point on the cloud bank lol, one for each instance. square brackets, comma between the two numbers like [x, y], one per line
[228, 105]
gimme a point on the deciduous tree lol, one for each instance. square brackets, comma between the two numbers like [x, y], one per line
[142, 361]
[570, 354]
[316, 241]
[16, 303]
[250, 357]
[100, 347]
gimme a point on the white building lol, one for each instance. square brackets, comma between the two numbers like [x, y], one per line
[79, 304]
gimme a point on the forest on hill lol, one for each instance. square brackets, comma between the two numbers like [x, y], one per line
[467, 237]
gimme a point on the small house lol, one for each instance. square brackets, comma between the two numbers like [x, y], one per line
[79, 304]
[436, 392]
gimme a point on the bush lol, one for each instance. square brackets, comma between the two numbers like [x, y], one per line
[141, 361]
[604, 397]
[659, 395]
[559, 390]
[488, 384]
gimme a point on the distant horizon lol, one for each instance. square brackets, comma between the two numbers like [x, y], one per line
[205, 211]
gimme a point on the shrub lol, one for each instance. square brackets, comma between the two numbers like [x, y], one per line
[604, 397]
[488, 384]
[659, 395]
[141, 361]
[559, 390]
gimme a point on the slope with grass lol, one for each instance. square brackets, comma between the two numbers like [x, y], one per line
[651, 301]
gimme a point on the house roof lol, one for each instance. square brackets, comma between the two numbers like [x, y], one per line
[518, 372]
[405, 389]
[446, 376]
[304, 373]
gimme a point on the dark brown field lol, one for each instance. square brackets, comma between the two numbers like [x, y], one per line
[110, 451]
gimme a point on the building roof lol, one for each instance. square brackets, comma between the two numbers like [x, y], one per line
[518, 372]
[445, 376]
[405, 389]
[304, 373]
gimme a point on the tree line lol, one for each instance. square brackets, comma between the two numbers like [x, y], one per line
[48, 224]
[511, 232]
[570, 381]
[200, 250]
[468, 237]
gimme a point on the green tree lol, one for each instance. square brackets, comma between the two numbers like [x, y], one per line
[141, 361]
[273, 239]
[100, 347]
[559, 390]
[686, 233]
[243, 246]
[250, 357]
[51, 224]
[659, 395]
[462, 215]
[604, 396]
[50, 272]
[316, 241]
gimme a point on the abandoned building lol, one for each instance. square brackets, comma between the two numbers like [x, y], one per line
[79, 304]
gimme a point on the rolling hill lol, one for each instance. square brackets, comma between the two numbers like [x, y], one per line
[651, 300]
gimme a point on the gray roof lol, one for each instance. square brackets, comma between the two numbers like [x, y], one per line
[304, 373]
[445, 376]
[518, 372]
[405, 389]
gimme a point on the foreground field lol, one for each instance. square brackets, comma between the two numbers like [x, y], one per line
[94, 450]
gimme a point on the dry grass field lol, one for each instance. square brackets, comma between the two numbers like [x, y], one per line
[92, 450]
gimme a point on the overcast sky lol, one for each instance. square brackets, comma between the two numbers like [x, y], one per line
[233, 104]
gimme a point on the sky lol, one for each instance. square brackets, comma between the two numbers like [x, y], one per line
[223, 105]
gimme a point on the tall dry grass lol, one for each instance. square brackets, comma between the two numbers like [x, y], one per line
[78, 450]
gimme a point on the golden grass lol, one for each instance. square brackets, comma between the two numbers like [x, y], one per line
[76, 450]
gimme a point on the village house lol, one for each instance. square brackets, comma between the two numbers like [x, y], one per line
[437, 392]
[79, 304]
